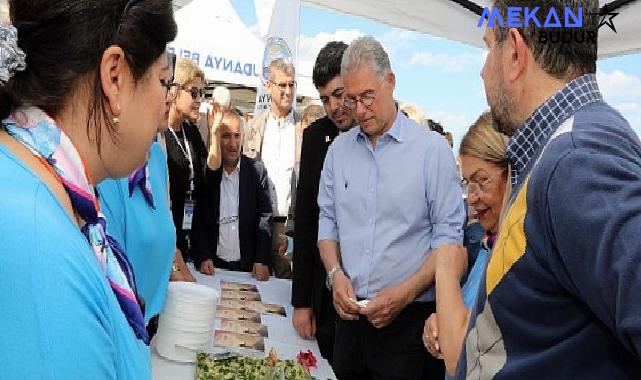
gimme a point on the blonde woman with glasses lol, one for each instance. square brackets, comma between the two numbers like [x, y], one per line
[186, 151]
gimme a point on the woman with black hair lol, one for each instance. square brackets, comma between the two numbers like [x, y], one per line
[83, 85]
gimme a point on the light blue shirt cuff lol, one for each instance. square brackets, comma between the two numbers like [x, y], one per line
[446, 234]
[327, 229]
[428, 296]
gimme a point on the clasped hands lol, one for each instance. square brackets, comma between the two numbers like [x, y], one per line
[380, 311]
[389, 302]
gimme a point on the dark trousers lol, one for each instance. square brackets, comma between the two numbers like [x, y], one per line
[362, 351]
[281, 265]
[227, 265]
[183, 243]
[326, 327]
[152, 327]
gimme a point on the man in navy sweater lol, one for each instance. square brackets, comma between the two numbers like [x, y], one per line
[560, 298]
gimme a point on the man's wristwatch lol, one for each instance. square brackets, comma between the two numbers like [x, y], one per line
[329, 281]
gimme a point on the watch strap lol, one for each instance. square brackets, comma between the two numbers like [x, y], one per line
[330, 275]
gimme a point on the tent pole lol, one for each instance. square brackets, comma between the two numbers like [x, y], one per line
[477, 9]
[470, 6]
[616, 4]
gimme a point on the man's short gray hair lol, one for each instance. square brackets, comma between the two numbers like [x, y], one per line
[280, 64]
[366, 51]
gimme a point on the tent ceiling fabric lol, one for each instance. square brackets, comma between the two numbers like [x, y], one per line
[180, 3]
[448, 19]
[443, 18]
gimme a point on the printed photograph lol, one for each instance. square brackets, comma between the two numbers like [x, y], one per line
[238, 286]
[237, 314]
[236, 340]
[242, 295]
[257, 306]
[243, 327]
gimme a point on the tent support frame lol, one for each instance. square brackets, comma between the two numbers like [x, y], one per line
[607, 8]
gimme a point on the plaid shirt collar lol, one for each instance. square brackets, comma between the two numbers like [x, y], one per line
[539, 127]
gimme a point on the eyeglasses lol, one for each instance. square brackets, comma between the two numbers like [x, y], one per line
[284, 85]
[367, 98]
[170, 87]
[195, 92]
[479, 188]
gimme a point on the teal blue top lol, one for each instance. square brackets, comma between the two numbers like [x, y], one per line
[471, 287]
[60, 319]
[147, 234]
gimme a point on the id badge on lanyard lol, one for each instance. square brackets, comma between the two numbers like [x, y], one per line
[188, 210]
[188, 214]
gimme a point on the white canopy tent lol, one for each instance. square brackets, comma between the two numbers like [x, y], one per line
[211, 33]
[457, 19]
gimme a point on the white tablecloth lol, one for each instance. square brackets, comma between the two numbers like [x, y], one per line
[282, 335]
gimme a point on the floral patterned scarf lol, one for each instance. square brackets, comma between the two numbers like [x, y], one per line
[37, 131]
[140, 178]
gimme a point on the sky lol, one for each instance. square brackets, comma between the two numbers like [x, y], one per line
[440, 76]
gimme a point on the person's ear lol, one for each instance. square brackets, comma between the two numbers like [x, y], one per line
[113, 72]
[390, 78]
[517, 54]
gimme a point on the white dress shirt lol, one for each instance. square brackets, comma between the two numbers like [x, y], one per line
[279, 155]
[228, 238]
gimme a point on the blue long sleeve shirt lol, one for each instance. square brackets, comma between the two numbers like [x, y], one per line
[389, 207]
[60, 318]
[148, 235]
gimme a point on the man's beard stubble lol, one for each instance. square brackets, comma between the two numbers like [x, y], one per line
[346, 113]
[501, 110]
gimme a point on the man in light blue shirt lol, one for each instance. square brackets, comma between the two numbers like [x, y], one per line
[389, 196]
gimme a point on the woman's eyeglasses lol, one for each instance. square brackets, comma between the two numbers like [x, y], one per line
[170, 88]
[195, 92]
[478, 188]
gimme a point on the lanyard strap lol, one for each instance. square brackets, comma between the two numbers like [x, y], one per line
[187, 153]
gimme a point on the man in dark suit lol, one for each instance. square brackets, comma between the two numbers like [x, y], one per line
[314, 314]
[234, 229]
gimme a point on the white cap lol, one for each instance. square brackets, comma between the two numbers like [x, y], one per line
[222, 96]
